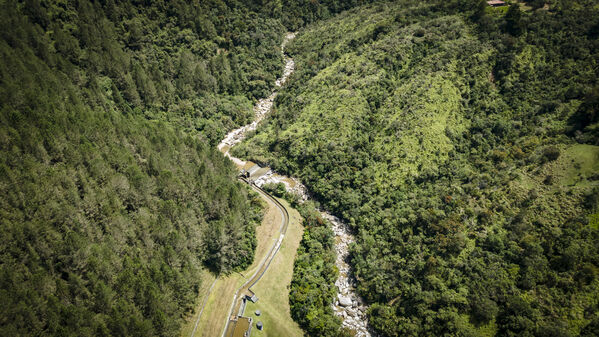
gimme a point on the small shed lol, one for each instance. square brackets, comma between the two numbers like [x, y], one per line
[252, 298]
[259, 325]
[258, 313]
[496, 3]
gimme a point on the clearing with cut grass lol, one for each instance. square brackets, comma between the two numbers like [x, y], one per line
[273, 288]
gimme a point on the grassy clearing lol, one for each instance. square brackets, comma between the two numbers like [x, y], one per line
[579, 166]
[217, 308]
[578, 163]
[219, 303]
[559, 185]
[273, 288]
[207, 279]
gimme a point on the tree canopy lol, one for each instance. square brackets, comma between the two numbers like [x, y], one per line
[461, 146]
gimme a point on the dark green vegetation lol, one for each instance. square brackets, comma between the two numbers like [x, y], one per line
[314, 274]
[113, 199]
[312, 288]
[460, 142]
[113, 196]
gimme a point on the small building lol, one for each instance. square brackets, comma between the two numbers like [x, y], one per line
[252, 298]
[496, 3]
[253, 170]
[258, 313]
[259, 325]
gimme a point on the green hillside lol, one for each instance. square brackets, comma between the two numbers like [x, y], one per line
[460, 142]
[113, 197]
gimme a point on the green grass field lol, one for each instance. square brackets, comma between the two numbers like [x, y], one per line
[578, 163]
[207, 279]
[273, 288]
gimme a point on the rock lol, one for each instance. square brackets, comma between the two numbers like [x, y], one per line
[344, 301]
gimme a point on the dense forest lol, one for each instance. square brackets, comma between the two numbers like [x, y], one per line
[460, 142]
[113, 197]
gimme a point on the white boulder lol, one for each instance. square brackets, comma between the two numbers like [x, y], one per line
[345, 301]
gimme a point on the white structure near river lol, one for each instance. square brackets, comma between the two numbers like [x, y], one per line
[348, 305]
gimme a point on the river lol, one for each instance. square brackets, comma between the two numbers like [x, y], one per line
[348, 305]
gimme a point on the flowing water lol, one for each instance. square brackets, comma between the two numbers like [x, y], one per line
[348, 305]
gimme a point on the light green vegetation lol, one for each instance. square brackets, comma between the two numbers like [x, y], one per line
[578, 164]
[461, 145]
[416, 136]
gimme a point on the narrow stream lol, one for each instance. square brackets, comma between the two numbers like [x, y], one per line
[348, 305]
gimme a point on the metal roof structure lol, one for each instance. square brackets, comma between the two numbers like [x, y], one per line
[253, 169]
[496, 3]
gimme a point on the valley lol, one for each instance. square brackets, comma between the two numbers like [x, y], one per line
[349, 306]
[299, 168]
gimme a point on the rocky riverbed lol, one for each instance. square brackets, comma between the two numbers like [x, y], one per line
[348, 305]
[261, 108]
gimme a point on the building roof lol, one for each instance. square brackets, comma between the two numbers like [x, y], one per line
[495, 3]
[253, 169]
[259, 173]
[248, 165]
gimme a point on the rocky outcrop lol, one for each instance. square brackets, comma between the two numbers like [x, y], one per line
[292, 185]
[344, 301]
